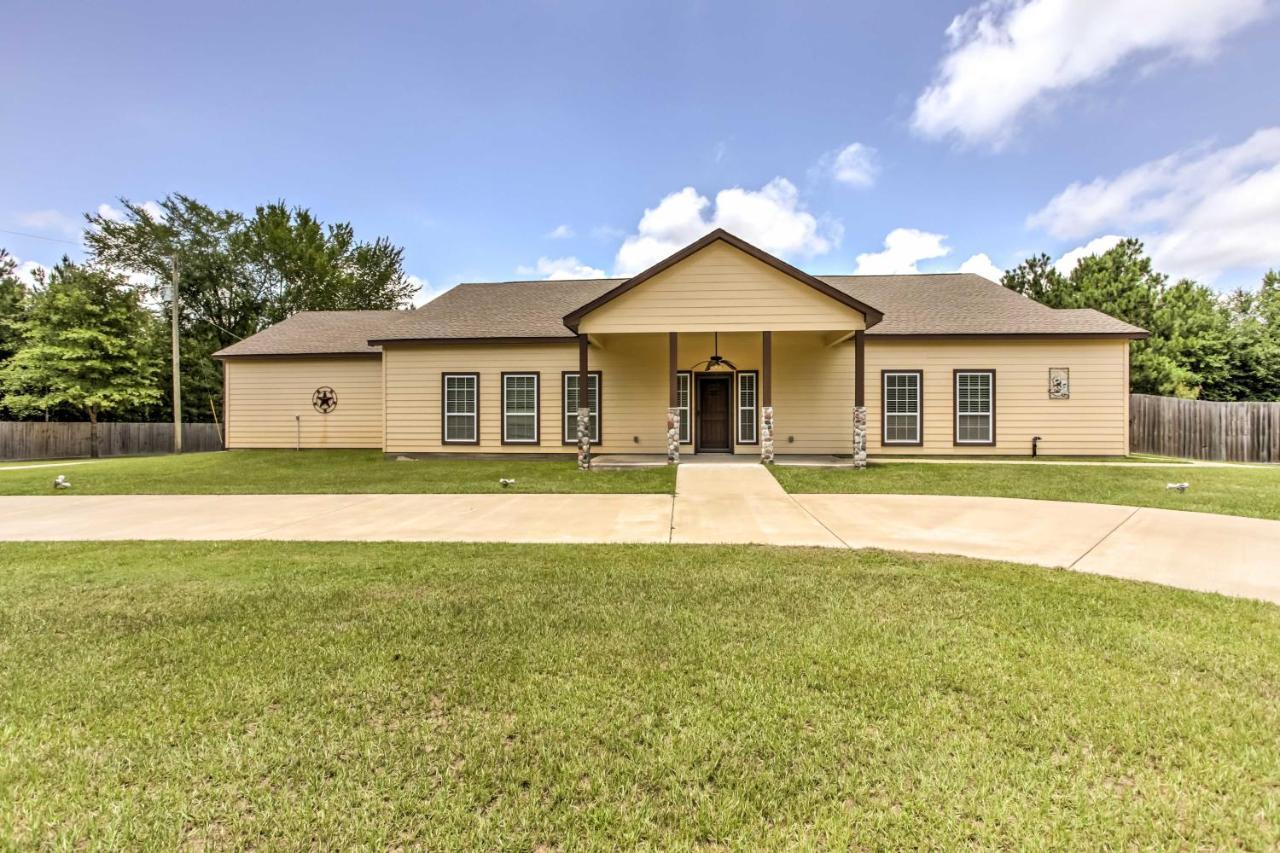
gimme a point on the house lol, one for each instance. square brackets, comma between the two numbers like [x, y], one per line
[720, 348]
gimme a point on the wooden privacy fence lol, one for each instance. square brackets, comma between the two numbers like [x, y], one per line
[1199, 429]
[54, 440]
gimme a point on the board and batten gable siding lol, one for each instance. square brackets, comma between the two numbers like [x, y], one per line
[263, 396]
[1094, 421]
[721, 287]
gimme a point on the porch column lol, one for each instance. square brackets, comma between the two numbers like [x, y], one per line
[584, 407]
[860, 399]
[766, 397]
[673, 400]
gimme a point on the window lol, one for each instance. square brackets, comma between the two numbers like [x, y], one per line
[747, 407]
[571, 407]
[684, 384]
[461, 418]
[519, 408]
[901, 407]
[975, 407]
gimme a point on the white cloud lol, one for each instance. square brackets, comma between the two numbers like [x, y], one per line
[556, 269]
[1199, 212]
[26, 271]
[980, 264]
[1096, 246]
[1006, 56]
[425, 292]
[903, 249]
[560, 232]
[115, 214]
[771, 218]
[50, 220]
[855, 165]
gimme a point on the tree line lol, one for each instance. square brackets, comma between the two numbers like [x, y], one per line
[1203, 345]
[91, 339]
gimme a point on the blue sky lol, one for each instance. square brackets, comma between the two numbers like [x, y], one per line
[497, 141]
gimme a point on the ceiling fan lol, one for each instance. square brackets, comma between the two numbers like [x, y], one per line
[716, 359]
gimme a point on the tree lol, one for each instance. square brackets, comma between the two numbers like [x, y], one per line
[87, 343]
[1036, 278]
[13, 296]
[12, 304]
[238, 275]
[1189, 352]
[304, 265]
[1254, 371]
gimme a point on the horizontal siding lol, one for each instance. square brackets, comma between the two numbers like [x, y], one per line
[723, 288]
[1094, 421]
[265, 397]
[812, 395]
[634, 397]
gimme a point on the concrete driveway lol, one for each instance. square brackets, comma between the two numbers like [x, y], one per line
[725, 503]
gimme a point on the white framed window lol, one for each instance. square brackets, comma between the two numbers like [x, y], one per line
[461, 408]
[975, 405]
[520, 408]
[901, 406]
[684, 394]
[747, 406]
[571, 406]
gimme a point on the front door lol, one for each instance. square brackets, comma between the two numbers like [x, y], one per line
[714, 396]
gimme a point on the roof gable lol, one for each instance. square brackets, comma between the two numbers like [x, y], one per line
[784, 275]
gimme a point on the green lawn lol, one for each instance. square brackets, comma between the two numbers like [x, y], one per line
[333, 471]
[285, 695]
[1234, 491]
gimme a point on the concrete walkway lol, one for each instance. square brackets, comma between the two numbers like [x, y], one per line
[724, 503]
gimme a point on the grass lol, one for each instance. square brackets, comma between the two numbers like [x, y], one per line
[286, 695]
[256, 472]
[1253, 492]
[1131, 459]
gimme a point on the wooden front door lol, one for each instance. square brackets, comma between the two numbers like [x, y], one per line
[715, 395]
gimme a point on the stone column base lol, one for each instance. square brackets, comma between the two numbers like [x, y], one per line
[766, 434]
[673, 436]
[584, 439]
[859, 436]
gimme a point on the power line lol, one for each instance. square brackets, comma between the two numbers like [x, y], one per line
[39, 237]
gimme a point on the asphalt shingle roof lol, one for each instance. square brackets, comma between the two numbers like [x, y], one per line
[925, 304]
[316, 333]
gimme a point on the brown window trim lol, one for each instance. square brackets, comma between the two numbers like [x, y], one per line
[737, 410]
[444, 405]
[599, 405]
[884, 410]
[955, 407]
[537, 406]
[688, 373]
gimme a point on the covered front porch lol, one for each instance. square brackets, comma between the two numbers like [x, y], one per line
[735, 395]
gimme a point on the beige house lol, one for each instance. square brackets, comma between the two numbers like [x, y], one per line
[720, 348]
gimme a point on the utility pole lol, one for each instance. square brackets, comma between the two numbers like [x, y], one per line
[177, 363]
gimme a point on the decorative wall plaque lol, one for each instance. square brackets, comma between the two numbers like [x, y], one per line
[325, 399]
[1059, 383]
